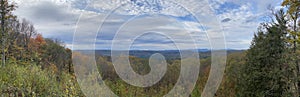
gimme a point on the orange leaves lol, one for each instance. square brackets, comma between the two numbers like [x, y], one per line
[39, 39]
[36, 43]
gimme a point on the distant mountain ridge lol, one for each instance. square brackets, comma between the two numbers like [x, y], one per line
[168, 54]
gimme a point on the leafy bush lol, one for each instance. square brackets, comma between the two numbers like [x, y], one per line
[31, 80]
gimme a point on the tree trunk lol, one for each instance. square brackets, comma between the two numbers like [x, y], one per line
[295, 55]
[3, 31]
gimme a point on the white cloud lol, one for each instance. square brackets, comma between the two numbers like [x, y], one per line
[58, 18]
[241, 23]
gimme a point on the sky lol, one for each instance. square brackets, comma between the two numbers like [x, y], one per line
[148, 24]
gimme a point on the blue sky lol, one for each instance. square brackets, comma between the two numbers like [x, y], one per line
[147, 24]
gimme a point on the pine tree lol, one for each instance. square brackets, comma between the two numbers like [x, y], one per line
[267, 69]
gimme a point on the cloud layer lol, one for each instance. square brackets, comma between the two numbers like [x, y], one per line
[58, 19]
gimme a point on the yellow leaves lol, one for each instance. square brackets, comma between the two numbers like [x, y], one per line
[290, 40]
[285, 2]
[52, 68]
[293, 11]
[293, 7]
[70, 88]
[298, 40]
[293, 33]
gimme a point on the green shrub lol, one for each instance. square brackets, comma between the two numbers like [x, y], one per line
[31, 80]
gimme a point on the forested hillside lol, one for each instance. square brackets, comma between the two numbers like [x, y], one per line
[32, 65]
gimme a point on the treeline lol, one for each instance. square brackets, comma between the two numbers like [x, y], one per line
[270, 68]
[32, 65]
[21, 43]
[141, 66]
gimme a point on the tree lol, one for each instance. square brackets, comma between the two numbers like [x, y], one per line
[68, 60]
[6, 10]
[19, 40]
[293, 13]
[268, 71]
[55, 54]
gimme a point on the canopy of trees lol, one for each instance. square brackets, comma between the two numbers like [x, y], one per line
[32, 65]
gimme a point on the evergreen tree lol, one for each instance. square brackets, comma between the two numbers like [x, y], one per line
[267, 69]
